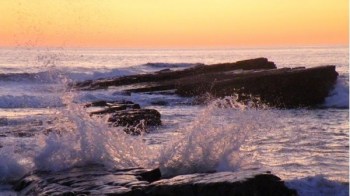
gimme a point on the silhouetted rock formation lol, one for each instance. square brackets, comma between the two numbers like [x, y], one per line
[252, 64]
[142, 182]
[281, 87]
[257, 78]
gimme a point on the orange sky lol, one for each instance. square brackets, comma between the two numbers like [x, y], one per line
[173, 23]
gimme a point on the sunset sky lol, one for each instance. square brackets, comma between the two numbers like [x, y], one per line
[173, 23]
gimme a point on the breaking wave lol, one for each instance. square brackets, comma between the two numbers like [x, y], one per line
[73, 138]
[339, 96]
[209, 145]
[77, 139]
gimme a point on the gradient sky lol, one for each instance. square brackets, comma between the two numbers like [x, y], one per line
[173, 23]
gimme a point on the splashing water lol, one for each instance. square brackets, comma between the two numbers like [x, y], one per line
[339, 97]
[74, 139]
[88, 140]
[210, 145]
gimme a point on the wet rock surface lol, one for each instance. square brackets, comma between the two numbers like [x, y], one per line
[258, 78]
[97, 180]
[136, 121]
[127, 114]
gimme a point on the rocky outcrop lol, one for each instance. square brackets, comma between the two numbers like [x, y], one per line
[97, 180]
[136, 121]
[286, 88]
[126, 114]
[221, 183]
[94, 180]
[252, 64]
[251, 80]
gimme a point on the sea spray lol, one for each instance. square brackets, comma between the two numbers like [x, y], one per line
[208, 144]
[71, 137]
[84, 140]
[339, 96]
[12, 165]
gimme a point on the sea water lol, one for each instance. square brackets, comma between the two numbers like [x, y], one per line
[43, 125]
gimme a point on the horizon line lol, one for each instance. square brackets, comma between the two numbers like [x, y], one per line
[182, 48]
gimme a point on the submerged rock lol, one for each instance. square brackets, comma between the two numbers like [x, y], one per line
[97, 180]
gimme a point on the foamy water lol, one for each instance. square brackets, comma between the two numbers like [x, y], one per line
[306, 147]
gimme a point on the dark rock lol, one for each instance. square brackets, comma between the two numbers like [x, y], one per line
[151, 176]
[96, 104]
[137, 120]
[252, 64]
[97, 180]
[281, 88]
[160, 102]
[163, 70]
[109, 110]
[277, 87]
[128, 115]
[94, 180]
[114, 108]
[222, 183]
[255, 80]
[103, 103]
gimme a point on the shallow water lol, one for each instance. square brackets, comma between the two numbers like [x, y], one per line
[306, 147]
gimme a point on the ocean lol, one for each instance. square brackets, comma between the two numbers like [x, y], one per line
[307, 147]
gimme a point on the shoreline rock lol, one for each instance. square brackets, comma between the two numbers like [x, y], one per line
[126, 114]
[251, 64]
[97, 180]
[255, 78]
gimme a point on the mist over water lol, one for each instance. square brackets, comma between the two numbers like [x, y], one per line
[306, 147]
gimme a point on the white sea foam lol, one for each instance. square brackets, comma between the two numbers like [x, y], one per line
[339, 96]
[76, 139]
[12, 165]
[84, 140]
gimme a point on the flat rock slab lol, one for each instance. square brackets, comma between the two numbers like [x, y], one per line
[221, 183]
[256, 80]
[87, 180]
[251, 64]
[285, 88]
[137, 181]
